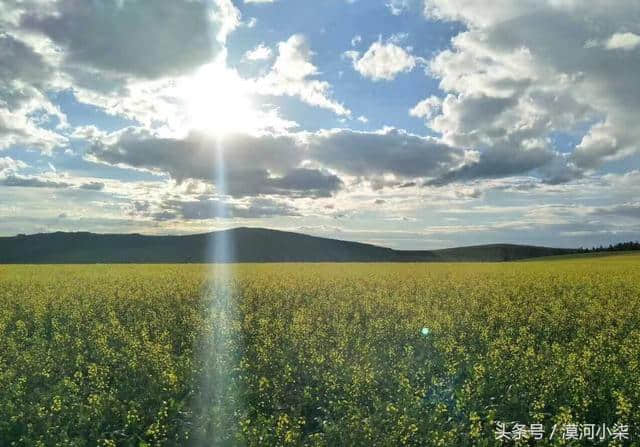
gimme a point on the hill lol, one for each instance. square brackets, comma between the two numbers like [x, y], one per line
[249, 245]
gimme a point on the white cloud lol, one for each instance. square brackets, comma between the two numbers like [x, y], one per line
[146, 39]
[510, 82]
[480, 13]
[382, 61]
[259, 1]
[17, 128]
[9, 166]
[427, 108]
[292, 75]
[24, 78]
[618, 41]
[356, 40]
[623, 41]
[122, 57]
[228, 18]
[254, 165]
[259, 53]
[304, 164]
[387, 152]
[398, 38]
[363, 119]
[294, 59]
[397, 7]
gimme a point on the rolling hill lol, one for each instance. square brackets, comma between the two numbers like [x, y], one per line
[249, 245]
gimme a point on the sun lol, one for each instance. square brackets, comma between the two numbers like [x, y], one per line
[217, 101]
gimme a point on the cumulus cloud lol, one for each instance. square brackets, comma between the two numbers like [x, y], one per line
[304, 164]
[194, 156]
[24, 75]
[307, 182]
[21, 64]
[227, 17]
[259, 53]
[292, 74]
[504, 161]
[19, 128]
[31, 182]
[623, 41]
[123, 56]
[254, 165]
[8, 165]
[390, 151]
[427, 108]
[92, 186]
[10, 177]
[521, 71]
[212, 208]
[141, 38]
[382, 61]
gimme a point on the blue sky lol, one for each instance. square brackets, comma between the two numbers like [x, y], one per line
[407, 123]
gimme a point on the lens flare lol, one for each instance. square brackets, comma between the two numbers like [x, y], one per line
[217, 404]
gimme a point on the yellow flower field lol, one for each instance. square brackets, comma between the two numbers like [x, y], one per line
[318, 354]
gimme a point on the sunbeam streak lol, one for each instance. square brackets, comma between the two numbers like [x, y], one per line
[217, 405]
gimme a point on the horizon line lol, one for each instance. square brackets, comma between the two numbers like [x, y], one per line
[297, 233]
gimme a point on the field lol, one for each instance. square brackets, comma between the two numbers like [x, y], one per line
[318, 354]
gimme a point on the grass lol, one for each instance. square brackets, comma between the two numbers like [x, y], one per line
[317, 354]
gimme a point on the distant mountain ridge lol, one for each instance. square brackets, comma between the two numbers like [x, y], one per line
[248, 245]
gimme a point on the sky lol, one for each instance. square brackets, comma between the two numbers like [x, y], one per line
[413, 124]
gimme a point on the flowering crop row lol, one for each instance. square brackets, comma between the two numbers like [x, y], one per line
[317, 354]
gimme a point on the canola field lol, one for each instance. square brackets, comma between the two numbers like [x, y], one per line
[532, 353]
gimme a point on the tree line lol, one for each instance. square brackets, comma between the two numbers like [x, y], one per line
[621, 246]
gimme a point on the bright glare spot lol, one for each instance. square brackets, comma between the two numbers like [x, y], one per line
[425, 331]
[217, 101]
